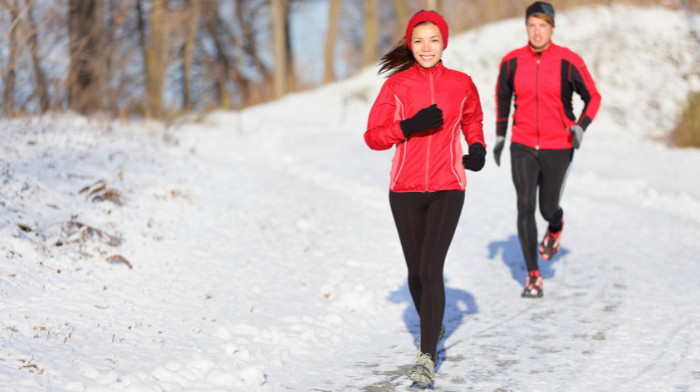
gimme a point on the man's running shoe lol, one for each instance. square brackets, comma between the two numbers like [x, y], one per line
[550, 244]
[533, 285]
[423, 372]
[442, 334]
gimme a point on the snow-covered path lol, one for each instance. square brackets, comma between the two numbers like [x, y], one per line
[265, 256]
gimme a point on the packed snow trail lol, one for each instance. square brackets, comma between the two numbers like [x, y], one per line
[265, 256]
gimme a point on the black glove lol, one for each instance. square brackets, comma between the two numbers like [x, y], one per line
[500, 143]
[476, 159]
[425, 119]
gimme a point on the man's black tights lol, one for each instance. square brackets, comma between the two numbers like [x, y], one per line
[547, 170]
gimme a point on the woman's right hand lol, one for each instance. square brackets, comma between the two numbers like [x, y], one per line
[426, 119]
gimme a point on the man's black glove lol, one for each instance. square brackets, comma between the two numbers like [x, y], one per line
[425, 119]
[476, 159]
[500, 143]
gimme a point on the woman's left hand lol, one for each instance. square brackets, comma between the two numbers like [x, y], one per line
[476, 159]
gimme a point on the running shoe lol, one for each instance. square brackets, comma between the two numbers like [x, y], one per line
[550, 244]
[442, 334]
[533, 285]
[423, 372]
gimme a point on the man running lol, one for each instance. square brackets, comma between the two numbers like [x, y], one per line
[543, 77]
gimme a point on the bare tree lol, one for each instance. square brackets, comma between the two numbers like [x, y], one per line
[41, 88]
[278, 8]
[331, 37]
[369, 47]
[193, 10]
[401, 13]
[291, 75]
[114, 64]
[8, 100]
[86, 61]
[222, 62]
[155, 54]
[247, 13]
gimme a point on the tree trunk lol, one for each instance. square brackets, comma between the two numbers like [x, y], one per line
[86, 45]
[279, 47]
[155, 56]
[8, 100]
[291, 76]
[439, 6]
[156, 59]
[223, 65]
[187, 50]
[331, 36]
[251, 48]
[371, 16]
[41, 89]
[112, 43]
[401, 15]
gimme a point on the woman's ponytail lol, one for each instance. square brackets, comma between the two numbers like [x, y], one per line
[398, 59]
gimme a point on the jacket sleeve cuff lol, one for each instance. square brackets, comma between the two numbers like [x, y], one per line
[475, 134]
[396, 132]
[585, 122]
[502, 127]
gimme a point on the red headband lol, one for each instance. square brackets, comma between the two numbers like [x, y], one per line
[427, 16]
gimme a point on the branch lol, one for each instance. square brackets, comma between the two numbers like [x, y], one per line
[14, 23]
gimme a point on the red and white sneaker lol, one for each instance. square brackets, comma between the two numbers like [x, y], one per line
[533, 285]
[550, 244]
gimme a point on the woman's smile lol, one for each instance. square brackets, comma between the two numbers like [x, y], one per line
[427, 45]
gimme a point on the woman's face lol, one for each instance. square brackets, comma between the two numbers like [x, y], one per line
[426, 45]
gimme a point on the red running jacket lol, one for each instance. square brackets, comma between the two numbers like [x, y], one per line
[427, 161]
[543, 86]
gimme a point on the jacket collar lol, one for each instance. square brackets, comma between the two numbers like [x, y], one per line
[544, 52]
[437, 70]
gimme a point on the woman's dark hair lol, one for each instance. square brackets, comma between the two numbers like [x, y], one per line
[399, 58]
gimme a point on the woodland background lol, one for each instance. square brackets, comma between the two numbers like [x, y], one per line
[160, 58]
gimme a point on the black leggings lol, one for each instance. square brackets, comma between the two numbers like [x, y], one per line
[426, 223]
[546, 169]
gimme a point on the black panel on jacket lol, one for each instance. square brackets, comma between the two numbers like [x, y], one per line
[505, 90]
[567, 90]
[582, 90]
[571, 80]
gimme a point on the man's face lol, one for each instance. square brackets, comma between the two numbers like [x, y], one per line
[539, 33]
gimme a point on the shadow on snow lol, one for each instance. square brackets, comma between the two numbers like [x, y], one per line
[513, 259]
[458, 305]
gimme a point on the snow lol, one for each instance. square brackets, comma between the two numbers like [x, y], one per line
[265, 257]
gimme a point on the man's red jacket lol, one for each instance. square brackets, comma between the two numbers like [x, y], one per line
[543, 85]
[427, 161]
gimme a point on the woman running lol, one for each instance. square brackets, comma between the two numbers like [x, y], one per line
[543, 77]
[420, 110]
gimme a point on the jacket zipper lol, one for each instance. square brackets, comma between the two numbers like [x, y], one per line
[430, 138]
[537, 100]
